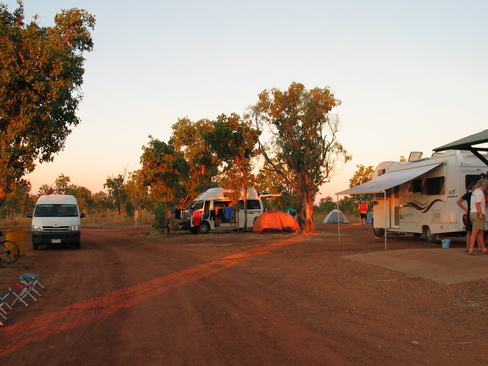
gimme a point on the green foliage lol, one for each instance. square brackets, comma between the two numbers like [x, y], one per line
[348, 205]
[361, 176]
[233, 141]
[41, 72]
[269, 181]
[163, 171]
[17, 202]
[116, 191]
[202, 163]
[162, 218]
[327, 204]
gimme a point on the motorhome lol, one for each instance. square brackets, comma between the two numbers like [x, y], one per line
[56, 220]
[213, 210]
[419, 196]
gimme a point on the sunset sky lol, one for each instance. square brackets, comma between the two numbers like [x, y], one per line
[411, 75]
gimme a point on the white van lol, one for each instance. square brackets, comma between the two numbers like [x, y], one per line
[56, 220]
[213, 210]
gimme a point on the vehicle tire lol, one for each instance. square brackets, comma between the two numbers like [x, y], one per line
[417, 234]
[204, 227]
[9, 252]
[429, 237]
[77, 245]
[379, 233]
[35, 246]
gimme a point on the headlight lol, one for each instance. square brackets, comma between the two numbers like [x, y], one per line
[36, 228]
[75, 228]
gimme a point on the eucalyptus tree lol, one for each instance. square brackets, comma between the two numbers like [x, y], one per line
[41, 73]
[116, 190]
[303, 147]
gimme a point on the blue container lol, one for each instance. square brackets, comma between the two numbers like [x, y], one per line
[446, 243]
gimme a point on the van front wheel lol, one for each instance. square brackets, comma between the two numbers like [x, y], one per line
[204, 227]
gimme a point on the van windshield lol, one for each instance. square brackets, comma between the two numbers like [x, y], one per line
[53, 210]
[195, 205]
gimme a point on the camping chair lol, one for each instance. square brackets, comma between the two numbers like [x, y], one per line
[24, 291]
[3, 301]
[29, 278]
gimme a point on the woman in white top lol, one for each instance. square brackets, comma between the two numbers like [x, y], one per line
[477, 216]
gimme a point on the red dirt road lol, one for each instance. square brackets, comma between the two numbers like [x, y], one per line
[132, 297]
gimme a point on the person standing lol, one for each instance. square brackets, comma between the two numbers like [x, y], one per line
[363, 212]
[477, 216]
[466, 220]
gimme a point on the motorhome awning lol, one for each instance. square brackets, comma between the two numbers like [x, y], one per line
[389, 180]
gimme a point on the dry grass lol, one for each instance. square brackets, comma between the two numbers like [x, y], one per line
[95, 219]
[145, 218]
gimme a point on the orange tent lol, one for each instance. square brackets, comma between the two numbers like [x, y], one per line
[275, 222]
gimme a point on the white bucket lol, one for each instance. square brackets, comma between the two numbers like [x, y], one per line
[446, 243]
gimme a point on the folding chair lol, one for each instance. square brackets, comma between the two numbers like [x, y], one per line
[24, 291]
[31, 279]
[3, 301]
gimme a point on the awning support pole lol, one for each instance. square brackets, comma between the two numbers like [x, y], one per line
[338, 220]
[386, 212]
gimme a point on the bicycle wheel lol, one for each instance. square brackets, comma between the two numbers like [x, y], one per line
[9, 251]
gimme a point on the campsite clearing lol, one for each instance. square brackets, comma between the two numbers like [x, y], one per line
[138, 297]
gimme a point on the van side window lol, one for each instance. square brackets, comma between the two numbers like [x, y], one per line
[433, 186]
[251, 205]
[416, 186]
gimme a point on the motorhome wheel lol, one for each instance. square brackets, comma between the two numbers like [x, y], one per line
[379, 233]
[429, 237]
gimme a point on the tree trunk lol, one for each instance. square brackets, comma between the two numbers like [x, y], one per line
[308, 209]
[244, 194]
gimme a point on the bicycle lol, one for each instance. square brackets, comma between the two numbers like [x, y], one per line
[9, 251]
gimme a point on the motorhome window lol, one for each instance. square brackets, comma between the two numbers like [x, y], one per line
[471, 178]
[56, 210]
[381, 172]
[251, 205]
[416, 186]
[433, 186]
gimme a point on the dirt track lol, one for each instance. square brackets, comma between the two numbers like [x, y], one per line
[130, 297]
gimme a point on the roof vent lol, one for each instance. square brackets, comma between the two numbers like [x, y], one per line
[415, 155]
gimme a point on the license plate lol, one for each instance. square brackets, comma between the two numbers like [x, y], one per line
[55, 241]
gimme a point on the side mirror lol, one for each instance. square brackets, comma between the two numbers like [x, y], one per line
[29, 215]
[82, 215]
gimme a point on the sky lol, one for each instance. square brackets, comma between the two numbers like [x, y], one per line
[411, 75]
